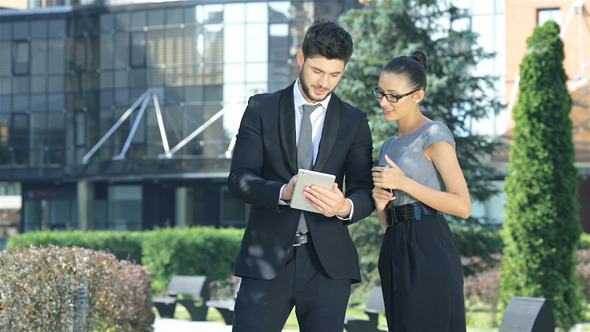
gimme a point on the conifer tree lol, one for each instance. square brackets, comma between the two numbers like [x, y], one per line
[541, 229]
[384, 29]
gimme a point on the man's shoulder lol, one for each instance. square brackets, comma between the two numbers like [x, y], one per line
[275, 95]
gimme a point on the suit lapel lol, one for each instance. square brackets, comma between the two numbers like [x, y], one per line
[287, 127]
[329, 133]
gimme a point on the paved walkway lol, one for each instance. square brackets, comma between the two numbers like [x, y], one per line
[183, 325]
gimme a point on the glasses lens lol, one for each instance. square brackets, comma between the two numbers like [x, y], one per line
[377, 93]
[391, 98]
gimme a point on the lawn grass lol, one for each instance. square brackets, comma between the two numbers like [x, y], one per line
[291, 324]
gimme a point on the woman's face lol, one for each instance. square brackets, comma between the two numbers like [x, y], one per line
[395, 85]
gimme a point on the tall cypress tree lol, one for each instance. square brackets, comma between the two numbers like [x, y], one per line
[541, 228]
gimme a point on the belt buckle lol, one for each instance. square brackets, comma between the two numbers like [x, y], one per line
[299, 239]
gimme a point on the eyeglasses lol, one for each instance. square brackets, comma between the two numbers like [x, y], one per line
[390, 98]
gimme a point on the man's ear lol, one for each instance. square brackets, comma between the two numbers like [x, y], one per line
[300, 57]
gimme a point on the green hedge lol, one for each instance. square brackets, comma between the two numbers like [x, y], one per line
[584, 241]
[124, 245]
[165, 252]
[190, 251]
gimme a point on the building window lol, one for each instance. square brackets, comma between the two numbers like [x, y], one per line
[138, 45]
[548, 14]
[21, 57]
[19, 137]
[124, 207]
[80, 54]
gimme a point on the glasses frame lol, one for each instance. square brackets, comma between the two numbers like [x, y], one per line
[379, 95]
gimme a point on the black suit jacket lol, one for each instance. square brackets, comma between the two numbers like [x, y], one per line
[265, 158]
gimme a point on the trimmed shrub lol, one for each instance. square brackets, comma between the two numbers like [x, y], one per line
[38, 287]
[124, 245]
[205, 251]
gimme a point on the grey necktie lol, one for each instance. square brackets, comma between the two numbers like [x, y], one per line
[305, 151]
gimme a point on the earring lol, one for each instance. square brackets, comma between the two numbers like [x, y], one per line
[417, 102]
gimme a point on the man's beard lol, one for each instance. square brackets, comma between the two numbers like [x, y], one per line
[305, 88]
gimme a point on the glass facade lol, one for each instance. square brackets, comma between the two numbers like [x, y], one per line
[118, 102]
[488, 20]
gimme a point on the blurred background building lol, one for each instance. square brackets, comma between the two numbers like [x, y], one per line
[120, 114]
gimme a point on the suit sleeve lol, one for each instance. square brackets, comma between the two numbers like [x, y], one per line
[245, 181]
[358, 180]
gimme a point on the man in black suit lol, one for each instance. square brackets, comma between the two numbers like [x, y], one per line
[282, 262]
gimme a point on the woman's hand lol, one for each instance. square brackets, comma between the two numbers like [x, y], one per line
[382, 197]
[388, 177]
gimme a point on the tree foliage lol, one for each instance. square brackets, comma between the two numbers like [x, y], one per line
[384, 29]
[541, 228]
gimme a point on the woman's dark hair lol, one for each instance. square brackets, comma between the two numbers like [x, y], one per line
[413, 67]
[327, 39]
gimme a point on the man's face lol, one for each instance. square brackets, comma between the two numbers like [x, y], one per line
[318, 76]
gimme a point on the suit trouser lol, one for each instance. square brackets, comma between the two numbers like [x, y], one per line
[320, 302]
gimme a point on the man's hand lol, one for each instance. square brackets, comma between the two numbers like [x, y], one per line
[288, 191]
[328, 202]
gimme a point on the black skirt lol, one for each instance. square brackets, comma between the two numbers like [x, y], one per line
[422, 277]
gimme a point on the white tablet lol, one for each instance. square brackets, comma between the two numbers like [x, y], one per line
[307, 178]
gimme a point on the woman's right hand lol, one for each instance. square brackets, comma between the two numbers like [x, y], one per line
[382, 197]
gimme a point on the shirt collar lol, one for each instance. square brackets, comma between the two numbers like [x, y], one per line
[299, 100]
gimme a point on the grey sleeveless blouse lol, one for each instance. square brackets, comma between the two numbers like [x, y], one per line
[408, 153]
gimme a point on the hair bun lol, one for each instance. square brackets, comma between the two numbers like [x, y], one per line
[420, 57]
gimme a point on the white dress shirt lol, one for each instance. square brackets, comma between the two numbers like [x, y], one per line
[317, 117]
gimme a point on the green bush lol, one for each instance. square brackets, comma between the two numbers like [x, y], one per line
[164, 251]
[38, 287]
[190, 251]
[584, 241]
[124, 245]
[478, 245]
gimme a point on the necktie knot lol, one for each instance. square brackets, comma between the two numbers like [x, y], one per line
[309, 108]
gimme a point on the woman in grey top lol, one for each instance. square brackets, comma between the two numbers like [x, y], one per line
[420, 268]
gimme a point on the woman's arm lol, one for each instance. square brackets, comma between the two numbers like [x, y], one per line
[454, 200]
[382, 198]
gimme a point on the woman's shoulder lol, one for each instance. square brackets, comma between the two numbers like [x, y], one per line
[436, 131]
[437, 128]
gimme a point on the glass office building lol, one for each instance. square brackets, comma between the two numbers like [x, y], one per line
[120, 114]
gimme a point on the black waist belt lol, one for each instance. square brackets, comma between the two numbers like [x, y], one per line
[409, 212]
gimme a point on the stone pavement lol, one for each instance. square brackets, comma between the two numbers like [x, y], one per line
[184, 325]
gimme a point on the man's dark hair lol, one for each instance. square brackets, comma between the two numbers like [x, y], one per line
[327, 39]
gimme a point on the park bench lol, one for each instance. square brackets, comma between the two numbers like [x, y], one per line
[226, 307]
[525, 314]
[190, 291]
[373, 307]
